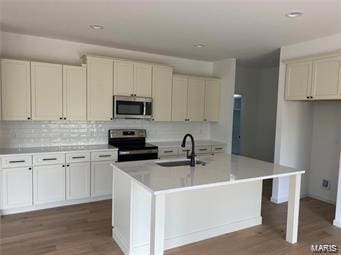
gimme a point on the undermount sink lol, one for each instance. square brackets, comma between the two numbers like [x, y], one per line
[179, 163]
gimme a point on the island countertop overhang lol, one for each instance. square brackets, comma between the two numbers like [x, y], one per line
[219, 170]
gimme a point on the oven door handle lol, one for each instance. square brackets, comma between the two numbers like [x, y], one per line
[137, 152]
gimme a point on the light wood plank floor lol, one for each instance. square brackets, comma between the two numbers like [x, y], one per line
[86, 229]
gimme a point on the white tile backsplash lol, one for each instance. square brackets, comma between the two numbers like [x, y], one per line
[58, 133]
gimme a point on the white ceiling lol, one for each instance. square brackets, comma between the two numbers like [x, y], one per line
[242, 29]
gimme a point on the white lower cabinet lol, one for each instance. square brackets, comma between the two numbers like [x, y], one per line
[78, 180]
[16, 187]
[49, 183]
[101, 178]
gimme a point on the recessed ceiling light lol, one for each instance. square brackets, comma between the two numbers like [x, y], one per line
[294, 14]
[199, 45]
[96, 27]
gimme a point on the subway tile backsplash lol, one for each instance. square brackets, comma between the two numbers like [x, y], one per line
[58, 133]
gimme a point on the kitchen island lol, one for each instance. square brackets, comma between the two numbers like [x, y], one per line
[159, 207]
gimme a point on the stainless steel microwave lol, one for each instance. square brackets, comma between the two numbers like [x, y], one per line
[126, 107]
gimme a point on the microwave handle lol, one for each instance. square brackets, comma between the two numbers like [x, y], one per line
[144, 108]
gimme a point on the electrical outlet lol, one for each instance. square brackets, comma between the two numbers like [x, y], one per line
[326, 184]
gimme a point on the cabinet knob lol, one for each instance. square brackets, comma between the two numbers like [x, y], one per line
[67, 165]
[30, 168]
[61, 118]
[64, 118]
[63, 165]
[28, 118]
[110, 118]
[308, 97]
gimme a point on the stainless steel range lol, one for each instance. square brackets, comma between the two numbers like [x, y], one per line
[131, 144]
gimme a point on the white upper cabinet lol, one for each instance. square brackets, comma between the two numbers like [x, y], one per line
[298, 80]
[212, 100]
[179, 98]
[162, 93]
[325, 81]
[196, 99]
[123, 78]
[16, 89]
[99, 88]
[142, 80]
[74, 92]
[46, 91]
[132, 78]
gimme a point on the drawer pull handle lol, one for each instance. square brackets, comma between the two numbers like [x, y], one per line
[77, 157]
[48, 159]
[218, 149]
[202, 149]
[168, 151]
[17, 161]
[104, 156]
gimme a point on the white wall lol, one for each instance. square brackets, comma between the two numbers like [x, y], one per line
[222, 131]
[258, 85]
[60, 51]
[299, 129]
[53, 133]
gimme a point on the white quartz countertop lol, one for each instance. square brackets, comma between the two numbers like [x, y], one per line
[52, 149]
[219, 170]
[188, 143]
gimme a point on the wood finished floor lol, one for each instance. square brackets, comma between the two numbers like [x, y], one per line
[86, 229]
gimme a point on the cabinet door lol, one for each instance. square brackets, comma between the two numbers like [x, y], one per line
[212, 100]
[101, 178]
[48, 184]
[16, 187]
[123, 78]
[298, 80]
[196, 99]
[142, 80]
[16, 89]
[100, 88]
[326, 83]
[47, 89]
[162, 93]
[179, 98]
[74, 92]
[78, 180]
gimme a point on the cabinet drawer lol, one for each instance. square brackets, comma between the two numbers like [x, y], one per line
[77, 157]
[218, 148]
[16, 161]
[104, 155]
[203, 149]
[172, 151]
[49, 159]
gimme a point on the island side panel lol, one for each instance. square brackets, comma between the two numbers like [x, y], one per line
[122, 210]
[201, 214]
[196, 215]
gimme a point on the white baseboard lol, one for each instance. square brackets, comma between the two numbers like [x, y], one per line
[173, 242]
[280, 200]
[337, 223]
[52, 205]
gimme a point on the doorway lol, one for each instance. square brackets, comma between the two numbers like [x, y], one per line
[236, 123]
